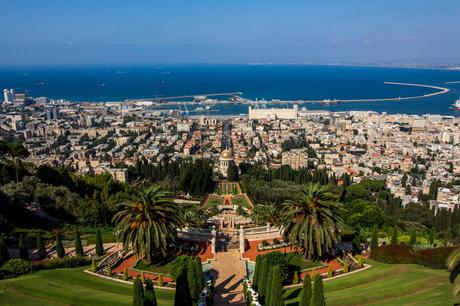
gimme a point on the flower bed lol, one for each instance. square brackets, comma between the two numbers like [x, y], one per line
[275, 244]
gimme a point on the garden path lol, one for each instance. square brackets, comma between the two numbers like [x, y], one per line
[228, 272]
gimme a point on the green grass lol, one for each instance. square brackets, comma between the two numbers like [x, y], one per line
[213, 202]
[69, 287]
[158, 267]
[241, 201]
[294, 259]
[385, 284]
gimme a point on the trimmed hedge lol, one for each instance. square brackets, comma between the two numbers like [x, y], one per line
[66, 262]
[435, 258]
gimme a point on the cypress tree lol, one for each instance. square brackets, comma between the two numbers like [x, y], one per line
[318, 291]
[413, 238]
[182, 296]
[199, 273]
[138, 293]
[23, 254]
[374, 240]
[149, 295]
[192, 279]
[431, 237]
[306, 293]
[99, 245]
[264, 274]
[41, 251]
[59, 247]
[276, 288]
[4, 254]
[268, 289]
[394, 236]
[255, 276]
[78, 245]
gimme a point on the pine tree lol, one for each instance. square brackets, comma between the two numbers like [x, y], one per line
[41, 250]
[59, 247]
[306, 293]
[413, 238]
[374, 240]
[78, 245]
[4, 254]
[182, 296]
[199, 273]
[257, 269]
[149, 296]
[192, 280]
[394, 236]
[99, 245]
[23, 253]
[318, 291]
[276, 287]
[138, 293]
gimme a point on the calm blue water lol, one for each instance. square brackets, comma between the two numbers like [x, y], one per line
[255, 81]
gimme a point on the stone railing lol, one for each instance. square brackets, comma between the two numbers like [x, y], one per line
[262, 233]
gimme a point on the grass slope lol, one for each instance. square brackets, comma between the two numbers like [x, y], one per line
[69, 287]
[385, 284]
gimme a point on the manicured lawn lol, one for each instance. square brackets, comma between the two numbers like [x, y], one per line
[213, 202]
[158, 267]
[241, 201]
[297, 260]
[69, 287]
[385, 284]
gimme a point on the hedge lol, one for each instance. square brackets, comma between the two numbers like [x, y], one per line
[17, 266]
[404, 254]
[66, 262]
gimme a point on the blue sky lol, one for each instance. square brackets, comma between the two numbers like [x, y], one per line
[84, 32]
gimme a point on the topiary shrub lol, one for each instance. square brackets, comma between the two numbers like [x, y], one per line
[125, 274]
[330, 273]
[93, 265]
[360, 262]
[17, 266]
[346, 268]
[264, 243]
[276, 241]
[56, 263]
[108, 271]
[295, 279]
[160, 281]
[394, 254]
[142, 277]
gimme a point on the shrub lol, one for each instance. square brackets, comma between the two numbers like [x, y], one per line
[17, 266]
[125, 274]
[160, 281]
[192, 280]
[93, 265]
[295, 279]
[360, 262]
[142, 277]
[177, 264]
[330, 273]
[108, 271]
[394, 236]
[264, 243]
[346, 268]
[374, 240]
[394, 254]
[66, 262]
[276, 241]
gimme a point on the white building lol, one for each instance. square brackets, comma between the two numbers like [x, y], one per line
[273, 113]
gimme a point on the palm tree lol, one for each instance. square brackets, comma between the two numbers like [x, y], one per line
[453, 264]
[311, 220]
[148, 222]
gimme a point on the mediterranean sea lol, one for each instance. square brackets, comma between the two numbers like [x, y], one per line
[284, 82]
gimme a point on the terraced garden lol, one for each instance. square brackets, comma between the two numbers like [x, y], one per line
[69, 287]
[386, 284]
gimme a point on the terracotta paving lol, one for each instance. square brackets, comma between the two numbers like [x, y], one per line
[228, 272]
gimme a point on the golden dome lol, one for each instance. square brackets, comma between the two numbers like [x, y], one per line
[226, 154]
